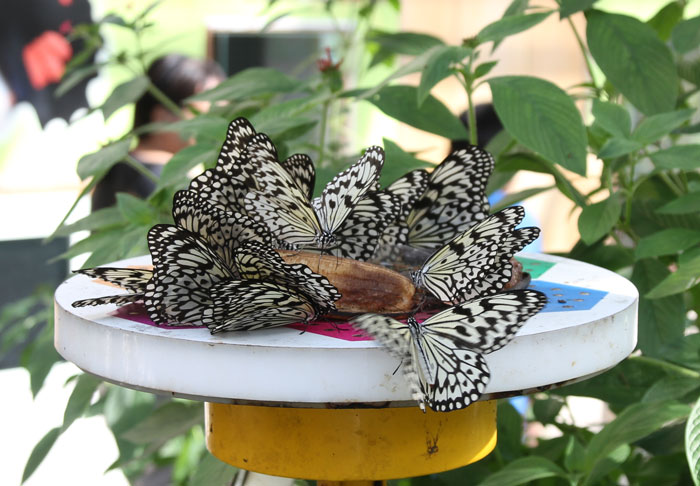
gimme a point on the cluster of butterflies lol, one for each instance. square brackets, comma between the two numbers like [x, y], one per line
[217, 265]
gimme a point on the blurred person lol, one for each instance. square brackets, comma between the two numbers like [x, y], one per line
[178, 77]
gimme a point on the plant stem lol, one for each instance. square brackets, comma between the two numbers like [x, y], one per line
[322, 140]
[473, 133]
[164, 100]
[673, 368]
[671, 185]
[140, 168]
[584, 52]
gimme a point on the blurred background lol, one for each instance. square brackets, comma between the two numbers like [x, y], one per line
[42, 137]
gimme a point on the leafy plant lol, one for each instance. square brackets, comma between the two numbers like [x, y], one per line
[642, 220]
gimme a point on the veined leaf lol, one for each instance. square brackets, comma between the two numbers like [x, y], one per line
[684, 157]
[597, 220]
[438, 67]
[686, 276]
[692, 443]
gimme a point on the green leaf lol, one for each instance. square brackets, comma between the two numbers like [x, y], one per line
[398, 162]
[666, 19]
[666, 242]
[251, 82]
[200, 127]
[687, 203]
[656, 126]
[671, 388]
[41, 449]
[543, 118]
[617, 147]
[574, 455]
[399, 102]
[568, 7]
[692, 443]
[80, 398]
[438, 67]
[635, 422]
[523, 471]
[134, 209]
[597, 220]
[546, 410]
[101, 161]
[661, 321]
[516, 197]
[510, 25]
[683, 157]
[609, 463]
[516, 7]
[686, 276]
[634, 60]
[614, 118]
[483, 69]
[175, 171]
[100, 218]
[407, 43]
[124, 94]
[212, 472]
[686, 35]
[166, 422]
[74, 77]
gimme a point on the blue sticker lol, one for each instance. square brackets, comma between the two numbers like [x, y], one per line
[564, 298]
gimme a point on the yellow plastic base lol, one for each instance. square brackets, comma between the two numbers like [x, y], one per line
[349, 444]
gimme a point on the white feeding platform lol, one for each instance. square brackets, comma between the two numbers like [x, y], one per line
[588, 326]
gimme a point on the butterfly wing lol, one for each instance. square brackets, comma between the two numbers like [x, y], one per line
[396, 338]
[246, 305]
[132, 279]
[359, 234]
[453, 270]
[293, 222]
[256, 261]
[185, 268]
[500, 273]
[238, 134]
[453, 200]
[301, 168]
[347, 189]
[110, 299]
[223, 231]
[229, 181]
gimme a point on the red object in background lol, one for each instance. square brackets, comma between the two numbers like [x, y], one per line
[45, 58]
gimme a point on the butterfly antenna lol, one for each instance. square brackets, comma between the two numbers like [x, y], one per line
[397, 368]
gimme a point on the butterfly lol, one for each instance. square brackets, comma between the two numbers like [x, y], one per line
[225, 185]
[443, 356]
[408, 188]
[134, 280]
[318, 224]
[223, 231]
[454, 199]
[477, 260]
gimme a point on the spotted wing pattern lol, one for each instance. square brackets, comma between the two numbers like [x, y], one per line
[443, 356]
[132, 279]
[408, 188]
[229, 181]
[185, 269]
[454, 199]
[223, 231]
[256, 261]
[246, 305]
[301, 168]
[110, 299]
[453, 270]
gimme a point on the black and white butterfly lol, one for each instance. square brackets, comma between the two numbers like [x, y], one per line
[225, 185]
[321, 223]
[454, 199]
[192, 284]
[133, 280]
[476, 262]
[408, 188]
[223, 231]
[442, 357]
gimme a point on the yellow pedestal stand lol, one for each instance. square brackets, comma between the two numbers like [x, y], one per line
[350, 446]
